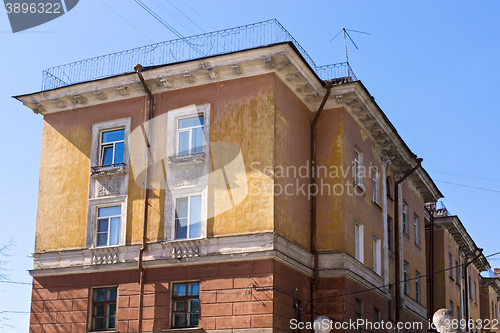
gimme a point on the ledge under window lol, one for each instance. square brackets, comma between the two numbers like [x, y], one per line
[184, 329]
[190, 158]
[108, 170]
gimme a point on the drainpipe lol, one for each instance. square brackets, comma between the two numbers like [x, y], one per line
[138, 69]
[396, 238]
[328, 86]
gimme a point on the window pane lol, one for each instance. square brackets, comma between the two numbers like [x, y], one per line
[179, 319]
[107, 155]
[112, 309]
[102, 225]
[181, 212]
[197, 140]
[194, 306]
[193, 319]
[179, 290]
[98, 323]
[184, 142]
[190, 122]
[111, 322]
[194, 289]
[102, 239]
[110, 211]
[179, 306]
[114, 233]
[181, 208]
[99, 295]
[99, 310]
[119, 152]
[111, 136]
[112, 294]
[195, 217]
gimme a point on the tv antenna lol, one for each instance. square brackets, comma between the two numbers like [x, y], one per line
[345, 31]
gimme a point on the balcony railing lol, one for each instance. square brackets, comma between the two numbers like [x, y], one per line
[184, 49]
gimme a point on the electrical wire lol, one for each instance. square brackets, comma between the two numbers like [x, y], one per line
[199, 14]
[468, 186]
[126, 20]
[464, 175]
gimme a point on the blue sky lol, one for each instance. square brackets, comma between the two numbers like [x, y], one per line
[431, 65]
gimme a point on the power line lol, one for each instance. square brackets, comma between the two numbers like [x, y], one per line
[463, 185]
[126, 21]
[174, 17]
[465, 176]
[199, 15]
[168, 26]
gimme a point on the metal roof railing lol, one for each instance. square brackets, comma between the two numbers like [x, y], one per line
[184, 49]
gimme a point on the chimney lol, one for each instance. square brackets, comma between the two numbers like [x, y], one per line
[497, 272]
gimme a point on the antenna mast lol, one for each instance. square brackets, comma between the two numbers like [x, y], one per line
[346, 35]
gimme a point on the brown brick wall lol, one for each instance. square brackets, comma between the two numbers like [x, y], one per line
[228, 299]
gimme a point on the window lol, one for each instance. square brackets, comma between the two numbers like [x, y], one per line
[375, 184]
[416, 224]
[475, 293]
[391, 303]
[377, 255]
[190, 135]
[112, 145]
[108, 226]
[357, 165]
[188, 217]
[418, 287]
[459, 314]
[388, 185]
[470, 289]
[390, 233]
[378, 319]
[104, 309]
[359, 313]
[405, 218]
[450, 265]
[358, 241]
[406, 276]
[457, 273]
[186, 304]
[452, 308]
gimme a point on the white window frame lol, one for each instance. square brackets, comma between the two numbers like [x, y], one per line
[418, 287]
[377, 255]
[94, 205]
[101, 144]
[106, 126]
[109, 225]
[358, 241]
[203, 218]
[416, 224]
[358, 162]
[188, 129]
[180, 191]
[406, 276]
[375, 185]
[405, 218]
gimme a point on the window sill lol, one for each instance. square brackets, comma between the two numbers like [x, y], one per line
[99, 171]
[418, 245]
[377, 206]
[187, 159]
[358, 187]
[184, 329]
[407, 235]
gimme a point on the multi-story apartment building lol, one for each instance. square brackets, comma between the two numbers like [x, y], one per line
[457, 263]
[233, 192]
[489, 295]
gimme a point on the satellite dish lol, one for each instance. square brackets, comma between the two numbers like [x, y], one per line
[322, 324]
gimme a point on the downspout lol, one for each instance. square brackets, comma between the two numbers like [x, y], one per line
[138, 69]
[328, 86]
[396, 238]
